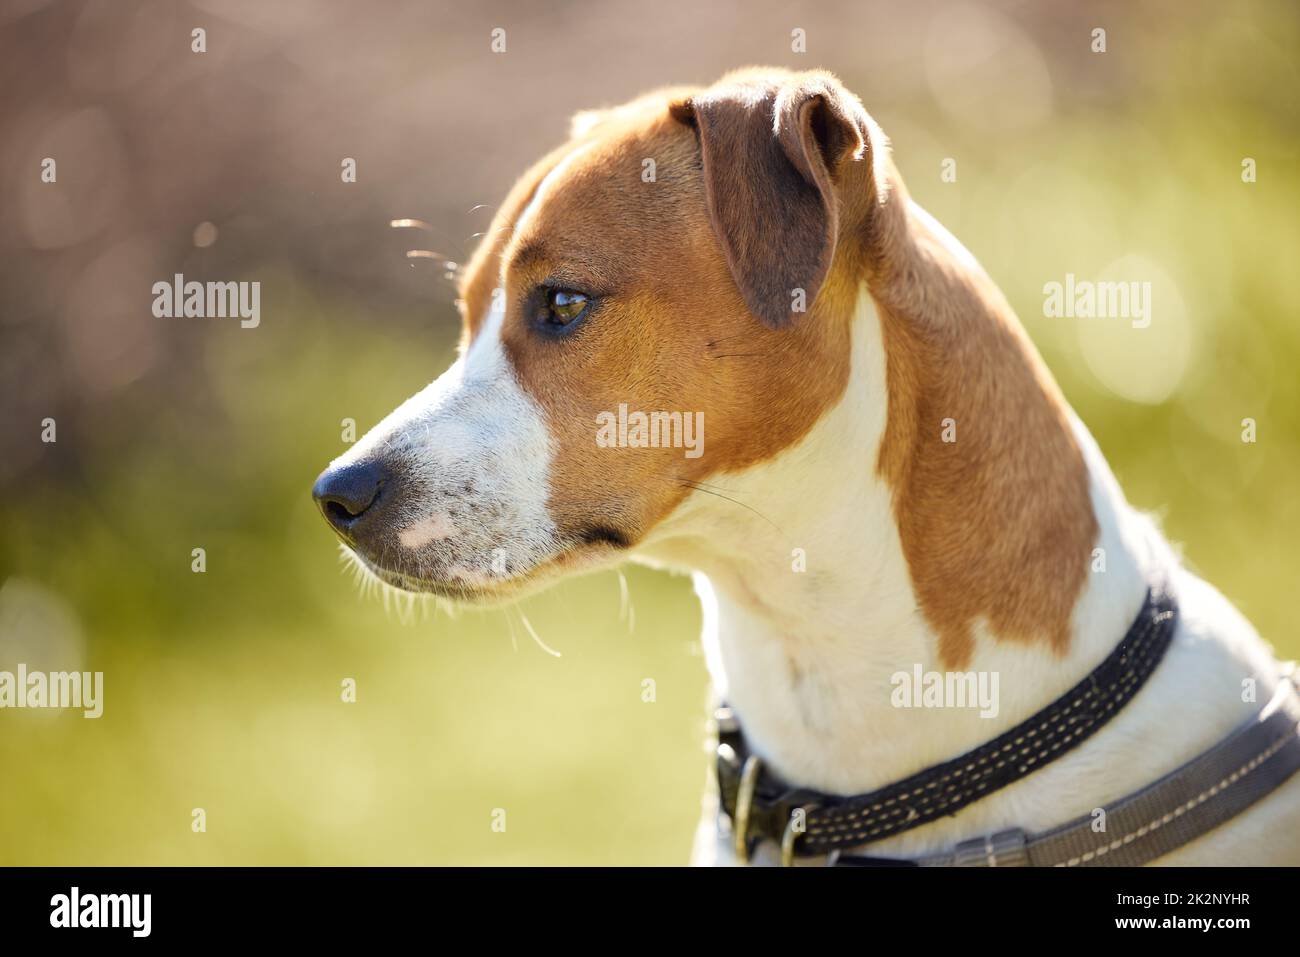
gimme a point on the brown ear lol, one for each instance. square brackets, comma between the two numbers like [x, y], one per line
[772, 154]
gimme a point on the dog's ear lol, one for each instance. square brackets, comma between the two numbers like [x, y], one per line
[773, 153]
[584, 121]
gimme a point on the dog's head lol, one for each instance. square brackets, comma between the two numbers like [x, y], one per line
[661, 299]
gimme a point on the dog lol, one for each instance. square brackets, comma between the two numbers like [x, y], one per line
[887, 477]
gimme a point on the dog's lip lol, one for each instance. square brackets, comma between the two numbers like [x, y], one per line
[594, 542]
[601, 534]
[442, 588]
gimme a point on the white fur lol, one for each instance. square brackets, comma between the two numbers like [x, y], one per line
[806, 658]
[473, 452]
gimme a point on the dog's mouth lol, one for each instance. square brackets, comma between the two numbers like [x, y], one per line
[603, 535]
[591, 548]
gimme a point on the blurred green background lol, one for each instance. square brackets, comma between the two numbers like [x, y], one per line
[222, 689]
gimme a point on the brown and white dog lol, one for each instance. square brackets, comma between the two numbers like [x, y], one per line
[773, 275]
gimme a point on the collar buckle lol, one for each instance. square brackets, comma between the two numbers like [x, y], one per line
[795, 827]
[744, 803]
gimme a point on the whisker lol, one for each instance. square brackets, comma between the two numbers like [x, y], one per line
[420, 224]
[719, 488]
[708, 491]
[625, 610]
[450, 268]
[508, 228]
[528, 626]
[514, 639]
[451, 264]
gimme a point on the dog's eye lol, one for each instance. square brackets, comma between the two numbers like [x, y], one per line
[563, 306]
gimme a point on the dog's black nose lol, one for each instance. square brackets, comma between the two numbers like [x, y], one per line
[344, 494]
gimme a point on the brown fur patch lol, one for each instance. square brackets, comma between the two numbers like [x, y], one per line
[999, 524]
[996, 526]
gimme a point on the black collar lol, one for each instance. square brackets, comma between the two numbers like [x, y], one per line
[807, 822]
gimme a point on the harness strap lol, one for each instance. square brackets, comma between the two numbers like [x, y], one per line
[1173, 811]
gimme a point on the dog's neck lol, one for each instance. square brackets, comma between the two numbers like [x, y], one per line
[811, 603]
